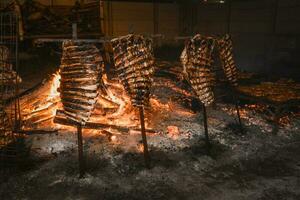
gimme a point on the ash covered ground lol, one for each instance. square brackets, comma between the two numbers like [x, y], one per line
[254, 164]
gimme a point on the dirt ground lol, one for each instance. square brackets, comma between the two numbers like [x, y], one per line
[255, 164]
[251, 166]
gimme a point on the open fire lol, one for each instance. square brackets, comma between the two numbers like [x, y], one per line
[113, 112]
[113, 109]
[39, 108]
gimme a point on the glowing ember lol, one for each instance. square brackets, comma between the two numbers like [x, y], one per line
[113, 138]
[173, 132]
[140, 148]
[39, 108]
[117, 99]
[157, 104]
[173, 86]
[280, 91]
[257, 107]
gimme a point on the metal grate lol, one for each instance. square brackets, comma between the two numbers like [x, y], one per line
[9, 104]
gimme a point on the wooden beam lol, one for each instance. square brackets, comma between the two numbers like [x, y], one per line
[60, 118]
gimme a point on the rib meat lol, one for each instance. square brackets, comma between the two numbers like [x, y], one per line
[226, 56]
[196, 59]
[5, 129]
[81, 79]
[134, 62]
[7, 75]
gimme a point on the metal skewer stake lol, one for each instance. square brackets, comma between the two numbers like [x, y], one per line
[238, 113]
[144, 137]
[207, 141]
[237, 110]
[80, 151]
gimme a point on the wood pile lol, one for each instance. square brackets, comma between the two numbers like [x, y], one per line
[280, 91]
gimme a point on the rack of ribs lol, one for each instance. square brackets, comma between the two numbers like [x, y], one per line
[225, 48]
[134, 62]
[81, 72]
[196, 59]
[7, 75]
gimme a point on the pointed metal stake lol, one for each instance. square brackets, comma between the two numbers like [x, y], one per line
[237, 110]
[144, 137]
[80, 151]
[238, 113]
[207, 141]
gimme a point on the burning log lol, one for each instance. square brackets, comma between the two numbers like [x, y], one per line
[61, 118]
[7, 75]
[81, 78]
[226, 56]
[105, 105]
[134, 63]
[196, 59]
[39, 116]
[39, 104]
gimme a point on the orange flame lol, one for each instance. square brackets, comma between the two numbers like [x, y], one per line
[53, 93]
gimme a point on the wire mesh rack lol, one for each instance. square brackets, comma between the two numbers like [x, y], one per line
[10, 117]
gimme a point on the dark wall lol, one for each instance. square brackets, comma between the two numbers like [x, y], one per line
[266, 33]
